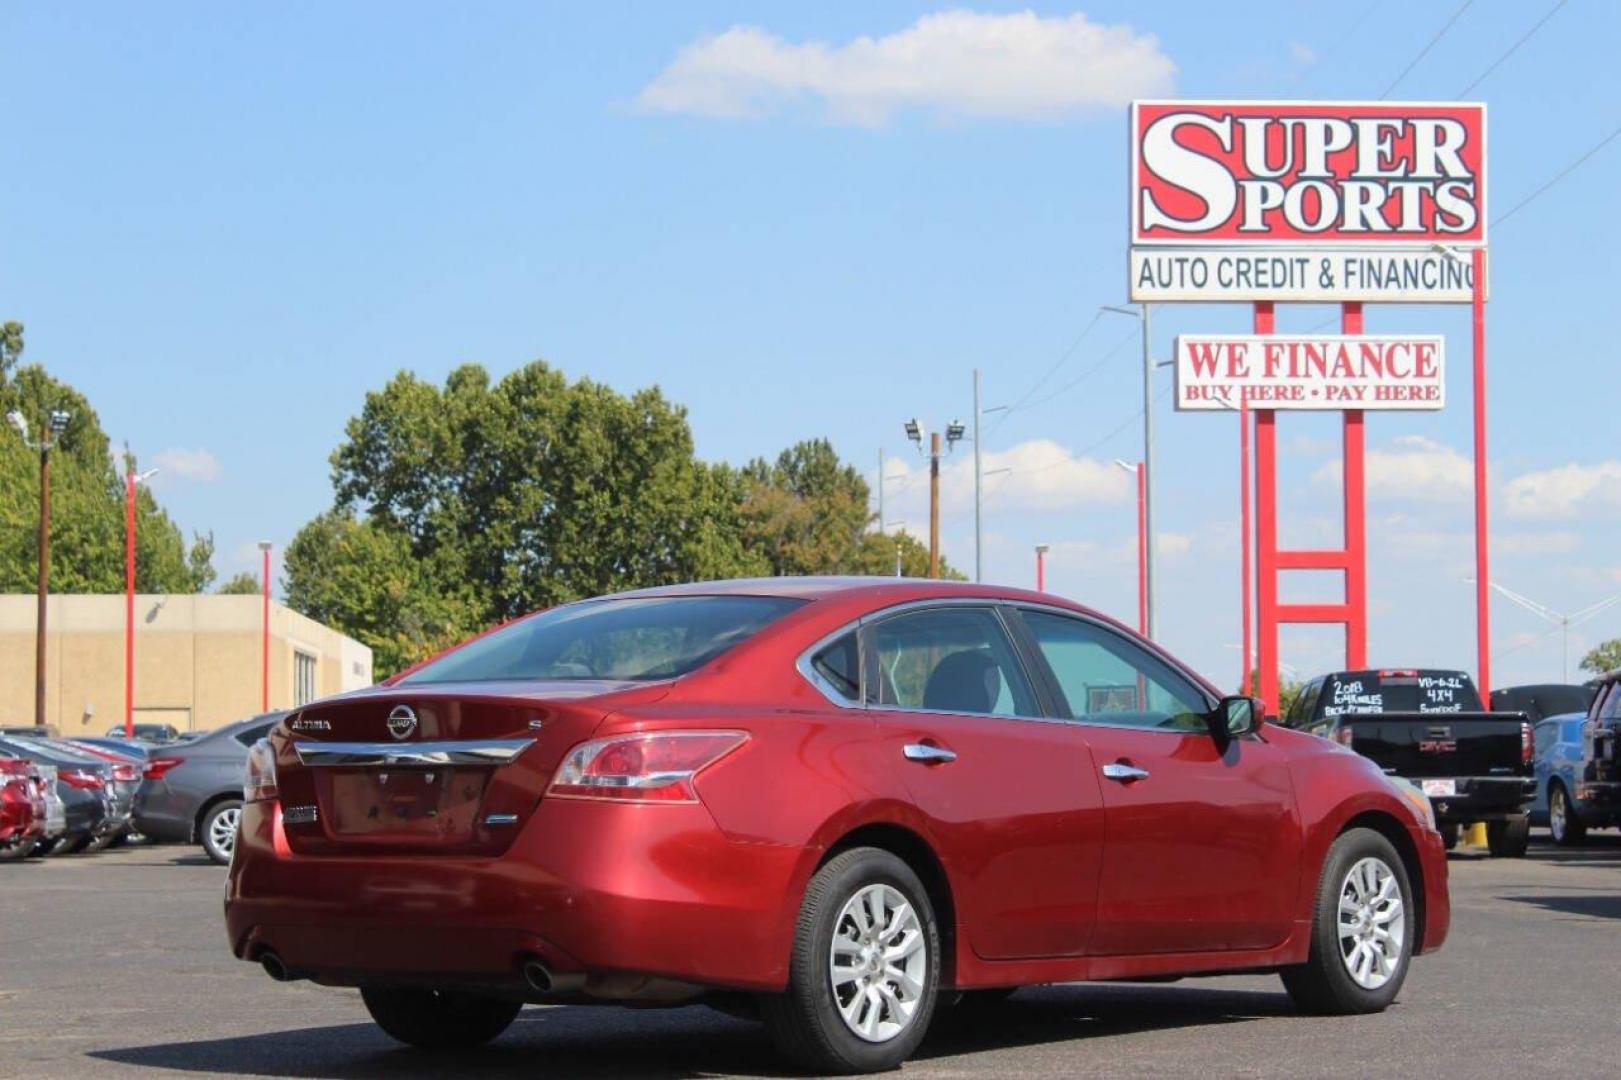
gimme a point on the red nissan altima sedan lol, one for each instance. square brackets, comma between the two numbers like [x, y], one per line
[849, 799]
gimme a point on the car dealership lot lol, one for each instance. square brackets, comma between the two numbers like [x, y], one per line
[115, 964]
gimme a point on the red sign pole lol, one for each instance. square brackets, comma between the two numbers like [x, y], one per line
[1356, 520]
[264, 638]
[1245, 552]
[1266, 533]
[129, 604]
[1483, 634]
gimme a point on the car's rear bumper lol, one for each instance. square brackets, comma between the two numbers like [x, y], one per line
[1480, 798]
[588, 888]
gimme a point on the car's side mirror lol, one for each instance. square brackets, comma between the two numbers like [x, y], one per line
[1236, 716]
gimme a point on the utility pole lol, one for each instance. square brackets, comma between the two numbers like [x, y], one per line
[954, 432]
[1148, 449]
[979, 475]
[264, 635]
[56, 422]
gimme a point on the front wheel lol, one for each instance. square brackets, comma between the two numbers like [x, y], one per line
[438, 1019]
[865, 970]
[18, 851]
[1362, 930]
[1509, 839]
[1563, 821]
[219, 830]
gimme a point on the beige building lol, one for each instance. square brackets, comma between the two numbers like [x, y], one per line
[197, 660]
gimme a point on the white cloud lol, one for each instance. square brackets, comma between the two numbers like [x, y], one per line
[196, 464]
[1565, 491]
[1413, 467]
[953, 63]
[1041, 476]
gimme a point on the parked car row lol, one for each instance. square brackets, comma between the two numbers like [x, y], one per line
[1578, 766]
[94, 794]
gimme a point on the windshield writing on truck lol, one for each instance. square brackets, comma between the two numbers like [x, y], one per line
[1419, 693]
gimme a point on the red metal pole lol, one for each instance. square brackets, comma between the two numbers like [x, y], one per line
[1142, 550]
[1483, 634]
[1356, 519]
[264, 647]
[1041, 570]
[1246, 587]
[1266, 535]
[129, 604]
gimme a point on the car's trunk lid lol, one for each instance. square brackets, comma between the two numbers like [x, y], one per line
[442, 769]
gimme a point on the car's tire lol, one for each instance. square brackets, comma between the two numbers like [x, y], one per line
[218, 829]
[1509, 839]
[69, 844]
[438, 1019]
[119, 840]
[1564, 823]
[888, 978]
[19, 851]
[1350, 968]
[1450, 835]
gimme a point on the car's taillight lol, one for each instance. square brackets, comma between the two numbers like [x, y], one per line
[158, 766]
[650, 767]
[1343, 736]
[259, 782]
[126, 773]
[77, 778]
[1525, 744]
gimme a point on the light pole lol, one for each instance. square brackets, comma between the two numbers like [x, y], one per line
[1142, 546]
[1148, 454]
[131, 479]
[1564, 622]
[1041, 567]
[954, 432]
[264, 639]
[56, 423]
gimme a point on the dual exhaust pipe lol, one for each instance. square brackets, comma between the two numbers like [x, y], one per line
[536, 975]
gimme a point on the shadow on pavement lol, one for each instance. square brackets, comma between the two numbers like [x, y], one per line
[696, 1041]
[1589, 906]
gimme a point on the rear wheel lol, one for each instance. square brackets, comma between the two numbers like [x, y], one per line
[1449, 836]
[438, 1019]
[1362, 930]
[1509, 839]
[865, 969]
[1563, 821]
[18, 851]
[219, 829]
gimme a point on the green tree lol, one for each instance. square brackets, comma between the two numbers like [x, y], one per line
[87, 500]
[11, 347]
[472, 503]
[1603, 657]
[244, 584]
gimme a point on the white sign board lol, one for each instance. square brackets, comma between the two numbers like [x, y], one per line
[1238, 275]
[1313, 371]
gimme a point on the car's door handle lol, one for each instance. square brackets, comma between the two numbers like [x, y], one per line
[928, 754]
[1119, 770]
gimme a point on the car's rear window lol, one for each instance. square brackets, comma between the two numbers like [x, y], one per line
[1358, 693]
[643, 638]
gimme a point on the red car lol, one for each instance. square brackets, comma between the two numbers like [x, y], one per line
[22, 808]
[851, 798]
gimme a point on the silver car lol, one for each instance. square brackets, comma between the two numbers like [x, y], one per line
[192, 792]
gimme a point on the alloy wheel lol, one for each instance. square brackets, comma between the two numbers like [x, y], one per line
[878, 963]
[1558, 820]
[222, 829]
[1372, 923]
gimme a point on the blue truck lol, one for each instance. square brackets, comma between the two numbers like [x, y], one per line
[1578, 767]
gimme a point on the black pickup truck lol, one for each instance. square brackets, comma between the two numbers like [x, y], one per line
[1429, 727]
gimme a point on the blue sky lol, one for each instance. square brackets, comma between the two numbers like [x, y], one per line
[226, 225]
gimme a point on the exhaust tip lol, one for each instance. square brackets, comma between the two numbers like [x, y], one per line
[538, 976]
[273, 966]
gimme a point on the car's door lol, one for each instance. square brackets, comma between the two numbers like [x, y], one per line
[1009, 794]
[1203, 839]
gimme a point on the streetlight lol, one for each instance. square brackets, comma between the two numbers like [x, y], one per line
[1564, 622]
[1148, 456]
[264, 641]
[1142, 546]
[130, 480]
[955, 430]
[1041, 566]
[56, 422]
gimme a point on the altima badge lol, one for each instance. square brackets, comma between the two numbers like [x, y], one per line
[402, 721]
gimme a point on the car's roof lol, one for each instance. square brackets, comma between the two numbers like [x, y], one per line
[827, 587]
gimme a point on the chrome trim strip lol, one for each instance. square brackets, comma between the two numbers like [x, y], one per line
[430, 753]
[501, 819]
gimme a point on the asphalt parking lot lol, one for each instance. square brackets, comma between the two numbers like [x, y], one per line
[115, 965]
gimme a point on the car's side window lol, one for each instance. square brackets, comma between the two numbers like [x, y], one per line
[839, 666]
[1611, 709]
[1545, 735]
[1106, 678]
[949, 659]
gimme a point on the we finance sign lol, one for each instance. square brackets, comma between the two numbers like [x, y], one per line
[1279, 371]
[1306, 201]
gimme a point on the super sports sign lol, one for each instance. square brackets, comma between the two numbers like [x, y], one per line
[1320, 174]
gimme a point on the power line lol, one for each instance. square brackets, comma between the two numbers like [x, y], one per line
[1087, 374]
[1560, 175]
[1425, 51]
[1512, 49]
[1037, 385]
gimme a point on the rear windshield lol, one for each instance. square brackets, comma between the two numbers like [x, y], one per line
[648, 638]
[1375, 692]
